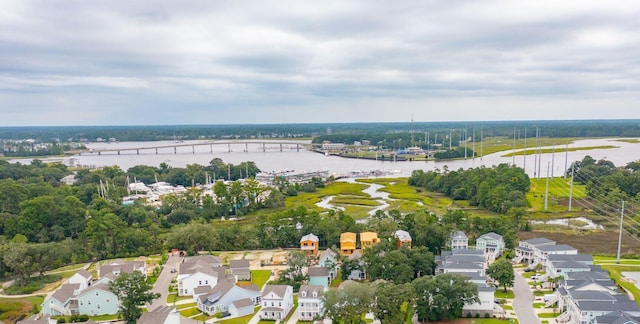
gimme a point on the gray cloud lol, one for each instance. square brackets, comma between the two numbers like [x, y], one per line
[163, 62]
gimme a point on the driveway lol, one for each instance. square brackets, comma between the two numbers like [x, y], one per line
[163, 282]
[523, 302]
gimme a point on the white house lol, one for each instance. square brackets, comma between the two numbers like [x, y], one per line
[118, 266]
[97, 300]
[542, 252]
[310, 305]
[220, 297]
[83, 278]
[459, 240]
[204, 270]
[241, 307]
[486, 303]
[240, 269]
[525, 251]
[277, 302]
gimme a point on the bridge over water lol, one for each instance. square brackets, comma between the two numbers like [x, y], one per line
[262, 146]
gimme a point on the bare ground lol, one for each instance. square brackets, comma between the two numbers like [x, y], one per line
[591, 242]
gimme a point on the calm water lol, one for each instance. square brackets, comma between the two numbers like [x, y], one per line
[303, 160]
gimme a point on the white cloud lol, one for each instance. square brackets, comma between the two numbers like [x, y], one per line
[257, 61]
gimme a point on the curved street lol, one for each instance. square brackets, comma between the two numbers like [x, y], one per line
[523, 301]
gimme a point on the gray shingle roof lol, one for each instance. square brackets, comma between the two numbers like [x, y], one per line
[242, 303]
[538, 241]
[65, 292]
[557, 247]
[235, 264]
[279, 290]
[309, 289]
[318, 272]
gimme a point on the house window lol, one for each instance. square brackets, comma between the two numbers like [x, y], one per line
[272, 304]
[301, 304]
[206, 282]
[304, 294]
[279, 304]
[199, 282]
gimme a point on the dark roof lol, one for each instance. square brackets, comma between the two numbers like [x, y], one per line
[617, 317]
[490, 235]
[571, 257]
[557, 247]
[627, 306]
[158, 315]
[597, 275]
[485, 287]
[538, 241]
[467, 252]
[591, 295]
[242, 303]
[84, 273]
[279, 290]
[234, 264]
[309, 289]
[570, 265]
[318, 272]
[65, 292]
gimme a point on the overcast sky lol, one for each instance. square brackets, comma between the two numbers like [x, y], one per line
[228, 62]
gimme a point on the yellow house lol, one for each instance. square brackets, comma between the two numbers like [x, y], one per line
[309, 244]
[368, 239]
[347, 243]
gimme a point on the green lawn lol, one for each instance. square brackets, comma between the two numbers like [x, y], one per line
[187, 305]
[173, 297]
[538, 305]
[260, 277]
[501, 294]
[548, 315]
[615, 272]
[338, 280]
[562, 150]
[240, 320]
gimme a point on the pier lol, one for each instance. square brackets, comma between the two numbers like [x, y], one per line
[261, 146]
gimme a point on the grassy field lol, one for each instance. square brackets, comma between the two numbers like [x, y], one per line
[591, 242]
[15, 309]
[562, 150]
[260, 277]
[628, 140]
[559, 189]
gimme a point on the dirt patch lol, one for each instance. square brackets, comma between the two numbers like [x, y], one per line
[590, 242]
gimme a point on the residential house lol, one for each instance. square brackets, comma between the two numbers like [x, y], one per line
[347, 243]
[83, 278]
[558, 265]
[164, 315]
[118, 266]
[368, 239]
[45, 320]
[329, 260]
[525, 251]
[583, 297]
[541, 253]
[403, 238]
[277, 302]
[491, 243]
[319, 276]
[97, 300]
[461, 261]
[220, 297]
[459, 240]
[200, 271]
[309, 244]
[360, 273]
[485, 305]
[617, 317]
[62, 302]
[241, 307]
[240, 269]
[310, 304]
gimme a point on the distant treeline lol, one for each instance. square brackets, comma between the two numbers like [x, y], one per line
[426, 135]
[383, 133]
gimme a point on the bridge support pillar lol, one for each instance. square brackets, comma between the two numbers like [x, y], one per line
[138, 152]
[118, 152]
[99, 153]
[246, 147]
[193, 149]
[156, 151]
[229, 148]
[297, 147]
[264, 148]
[211, 148]
[175, 150]
[280, 147]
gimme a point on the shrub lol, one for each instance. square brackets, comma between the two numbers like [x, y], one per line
[487, 315]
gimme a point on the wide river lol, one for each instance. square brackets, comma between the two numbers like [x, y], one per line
[303, 160]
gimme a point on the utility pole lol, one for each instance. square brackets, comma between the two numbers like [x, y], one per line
[571, 186]
[524, 165]
[513, 162]
[566, 158]
[473, 143]
[620, 233]
[553, 156]
[465, 143]
[546, 190]
[481, 142]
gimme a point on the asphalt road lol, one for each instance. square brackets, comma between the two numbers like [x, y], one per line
[163, 282]
[523, 302]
